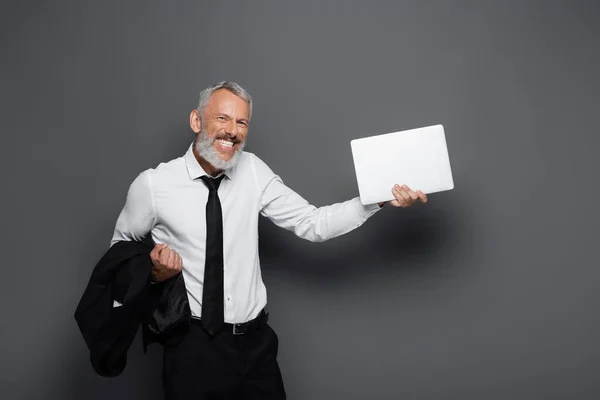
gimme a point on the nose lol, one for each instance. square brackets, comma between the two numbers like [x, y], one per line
[232, 128]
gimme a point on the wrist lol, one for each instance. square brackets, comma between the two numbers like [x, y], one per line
[154, 277]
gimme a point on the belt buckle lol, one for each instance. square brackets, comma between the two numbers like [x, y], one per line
[235, 331]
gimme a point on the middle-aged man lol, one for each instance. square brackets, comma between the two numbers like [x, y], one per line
[202, 210]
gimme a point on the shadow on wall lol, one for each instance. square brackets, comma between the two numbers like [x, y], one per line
[406, 239]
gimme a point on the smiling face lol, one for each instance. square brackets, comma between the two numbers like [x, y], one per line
[221, 129]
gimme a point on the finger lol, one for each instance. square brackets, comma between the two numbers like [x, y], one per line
[399, 198]
[156, 250]
[163, 258]
[411, 193]
[404, 194]
[422, 196]
[396, 192]
[179, 263]
[172, 258]
[176, 261]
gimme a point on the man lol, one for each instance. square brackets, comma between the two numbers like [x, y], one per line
[202, 211]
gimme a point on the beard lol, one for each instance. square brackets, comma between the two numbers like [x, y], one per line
[205, 148]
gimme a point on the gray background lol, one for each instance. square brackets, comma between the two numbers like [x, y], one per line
[489, 291]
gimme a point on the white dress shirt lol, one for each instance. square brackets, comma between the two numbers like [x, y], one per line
[169, 201]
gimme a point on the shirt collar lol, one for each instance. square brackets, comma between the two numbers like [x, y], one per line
[195, 170]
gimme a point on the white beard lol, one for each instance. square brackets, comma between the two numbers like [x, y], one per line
[204, 146]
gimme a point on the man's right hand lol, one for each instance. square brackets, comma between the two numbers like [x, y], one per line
[166, 262]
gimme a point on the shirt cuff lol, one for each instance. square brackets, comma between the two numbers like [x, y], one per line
[368, 210]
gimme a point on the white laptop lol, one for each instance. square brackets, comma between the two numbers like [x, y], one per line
[416, 157]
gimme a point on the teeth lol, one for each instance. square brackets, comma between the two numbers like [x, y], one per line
[225, 143]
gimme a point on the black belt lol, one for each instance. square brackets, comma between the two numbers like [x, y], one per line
[242, 327]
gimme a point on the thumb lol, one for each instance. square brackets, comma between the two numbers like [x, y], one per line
[159, 246]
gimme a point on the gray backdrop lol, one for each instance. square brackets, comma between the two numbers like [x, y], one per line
[489, 291]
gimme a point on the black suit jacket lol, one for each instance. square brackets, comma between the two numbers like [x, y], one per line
[123, 274]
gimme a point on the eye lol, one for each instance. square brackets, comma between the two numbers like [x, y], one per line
[242, 123]
[221, 118]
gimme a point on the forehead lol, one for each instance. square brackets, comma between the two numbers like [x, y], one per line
[227, 102]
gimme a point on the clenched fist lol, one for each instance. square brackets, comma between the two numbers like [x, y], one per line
[166, 262]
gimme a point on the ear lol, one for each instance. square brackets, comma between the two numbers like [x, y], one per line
[195, 121]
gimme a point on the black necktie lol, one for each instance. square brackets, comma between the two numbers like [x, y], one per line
[212, 293]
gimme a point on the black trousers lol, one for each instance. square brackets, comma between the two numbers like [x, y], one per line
[226, 366]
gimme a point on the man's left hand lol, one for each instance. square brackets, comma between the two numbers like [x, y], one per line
[406, 197]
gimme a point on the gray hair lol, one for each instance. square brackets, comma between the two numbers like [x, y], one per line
[233, 87]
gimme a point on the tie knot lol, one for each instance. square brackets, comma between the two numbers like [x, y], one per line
[212, 183]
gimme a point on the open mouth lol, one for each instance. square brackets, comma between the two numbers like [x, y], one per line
[226, 145]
